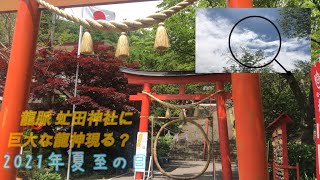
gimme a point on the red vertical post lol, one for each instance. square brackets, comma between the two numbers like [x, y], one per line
[204, 152]
[144, 118]
[250, 131]
[285, 150]
[298, 171]
[223, 133]
[239, 3]
[16, 92]
[181, 88]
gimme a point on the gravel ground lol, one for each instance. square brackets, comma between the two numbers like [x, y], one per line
[186, 168]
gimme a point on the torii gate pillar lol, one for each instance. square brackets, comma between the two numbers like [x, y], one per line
[144, 118]
[250, 132]
[18, 80]
[223, 133]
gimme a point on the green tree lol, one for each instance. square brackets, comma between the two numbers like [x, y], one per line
[251, 59]
[302, 93]
[295, 23]
[6, 28]
[181, 31]
[296, 27]
[278, 97]
[294, 98]
[300, 85]
[303, 24]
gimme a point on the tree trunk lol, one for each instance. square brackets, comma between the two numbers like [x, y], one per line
[306, 108]
[307, 135]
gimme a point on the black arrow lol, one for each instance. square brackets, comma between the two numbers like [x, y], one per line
[287, 72]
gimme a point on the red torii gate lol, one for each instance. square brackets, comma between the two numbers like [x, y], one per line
[147, 79]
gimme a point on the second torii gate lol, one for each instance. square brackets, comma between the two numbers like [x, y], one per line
[251, 133]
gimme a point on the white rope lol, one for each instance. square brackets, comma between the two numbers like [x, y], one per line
[119, 26]
[186, 106]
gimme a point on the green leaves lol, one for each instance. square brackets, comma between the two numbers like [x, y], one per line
[164, 144]
[295, 22]
[305, 155]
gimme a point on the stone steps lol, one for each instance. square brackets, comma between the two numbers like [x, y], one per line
[189, 144]
[195, 152]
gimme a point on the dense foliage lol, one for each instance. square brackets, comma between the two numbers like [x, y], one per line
[101, 86]
[304, 155]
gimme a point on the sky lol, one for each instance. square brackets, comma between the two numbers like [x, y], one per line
[213, 27]
[128, 11]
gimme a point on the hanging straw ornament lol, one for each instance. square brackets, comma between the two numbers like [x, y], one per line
[196, 112]
[122, 50]
[182, 116]
[176, 137]
[168, 114]
[162, 41]
[86, 47]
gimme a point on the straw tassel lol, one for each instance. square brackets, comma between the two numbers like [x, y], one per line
[162, 40]
[168, 114]
[122, 50]
[86, 44]
[181, 116]
[196, 112]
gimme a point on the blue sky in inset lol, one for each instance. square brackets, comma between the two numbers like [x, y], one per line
[235, 15]
[213, 27]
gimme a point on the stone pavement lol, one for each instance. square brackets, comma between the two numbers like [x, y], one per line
[187, 168]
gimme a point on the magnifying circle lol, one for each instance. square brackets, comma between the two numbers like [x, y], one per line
[273, 59]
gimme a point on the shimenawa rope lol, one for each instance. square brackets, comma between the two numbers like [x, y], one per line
[119, 26]
[186, 106]
[168, 105]
[155, 150]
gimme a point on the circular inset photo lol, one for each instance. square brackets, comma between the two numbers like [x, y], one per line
[254, 50]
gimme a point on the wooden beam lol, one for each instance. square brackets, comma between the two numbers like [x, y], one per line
[207, 78]
[165, 97]
[11, 5]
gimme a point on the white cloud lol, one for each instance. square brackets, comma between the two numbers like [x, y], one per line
[209, 36]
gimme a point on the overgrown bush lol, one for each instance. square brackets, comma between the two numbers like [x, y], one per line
[305, 155]
[164, 145]
[306, 177]
[46, 176]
